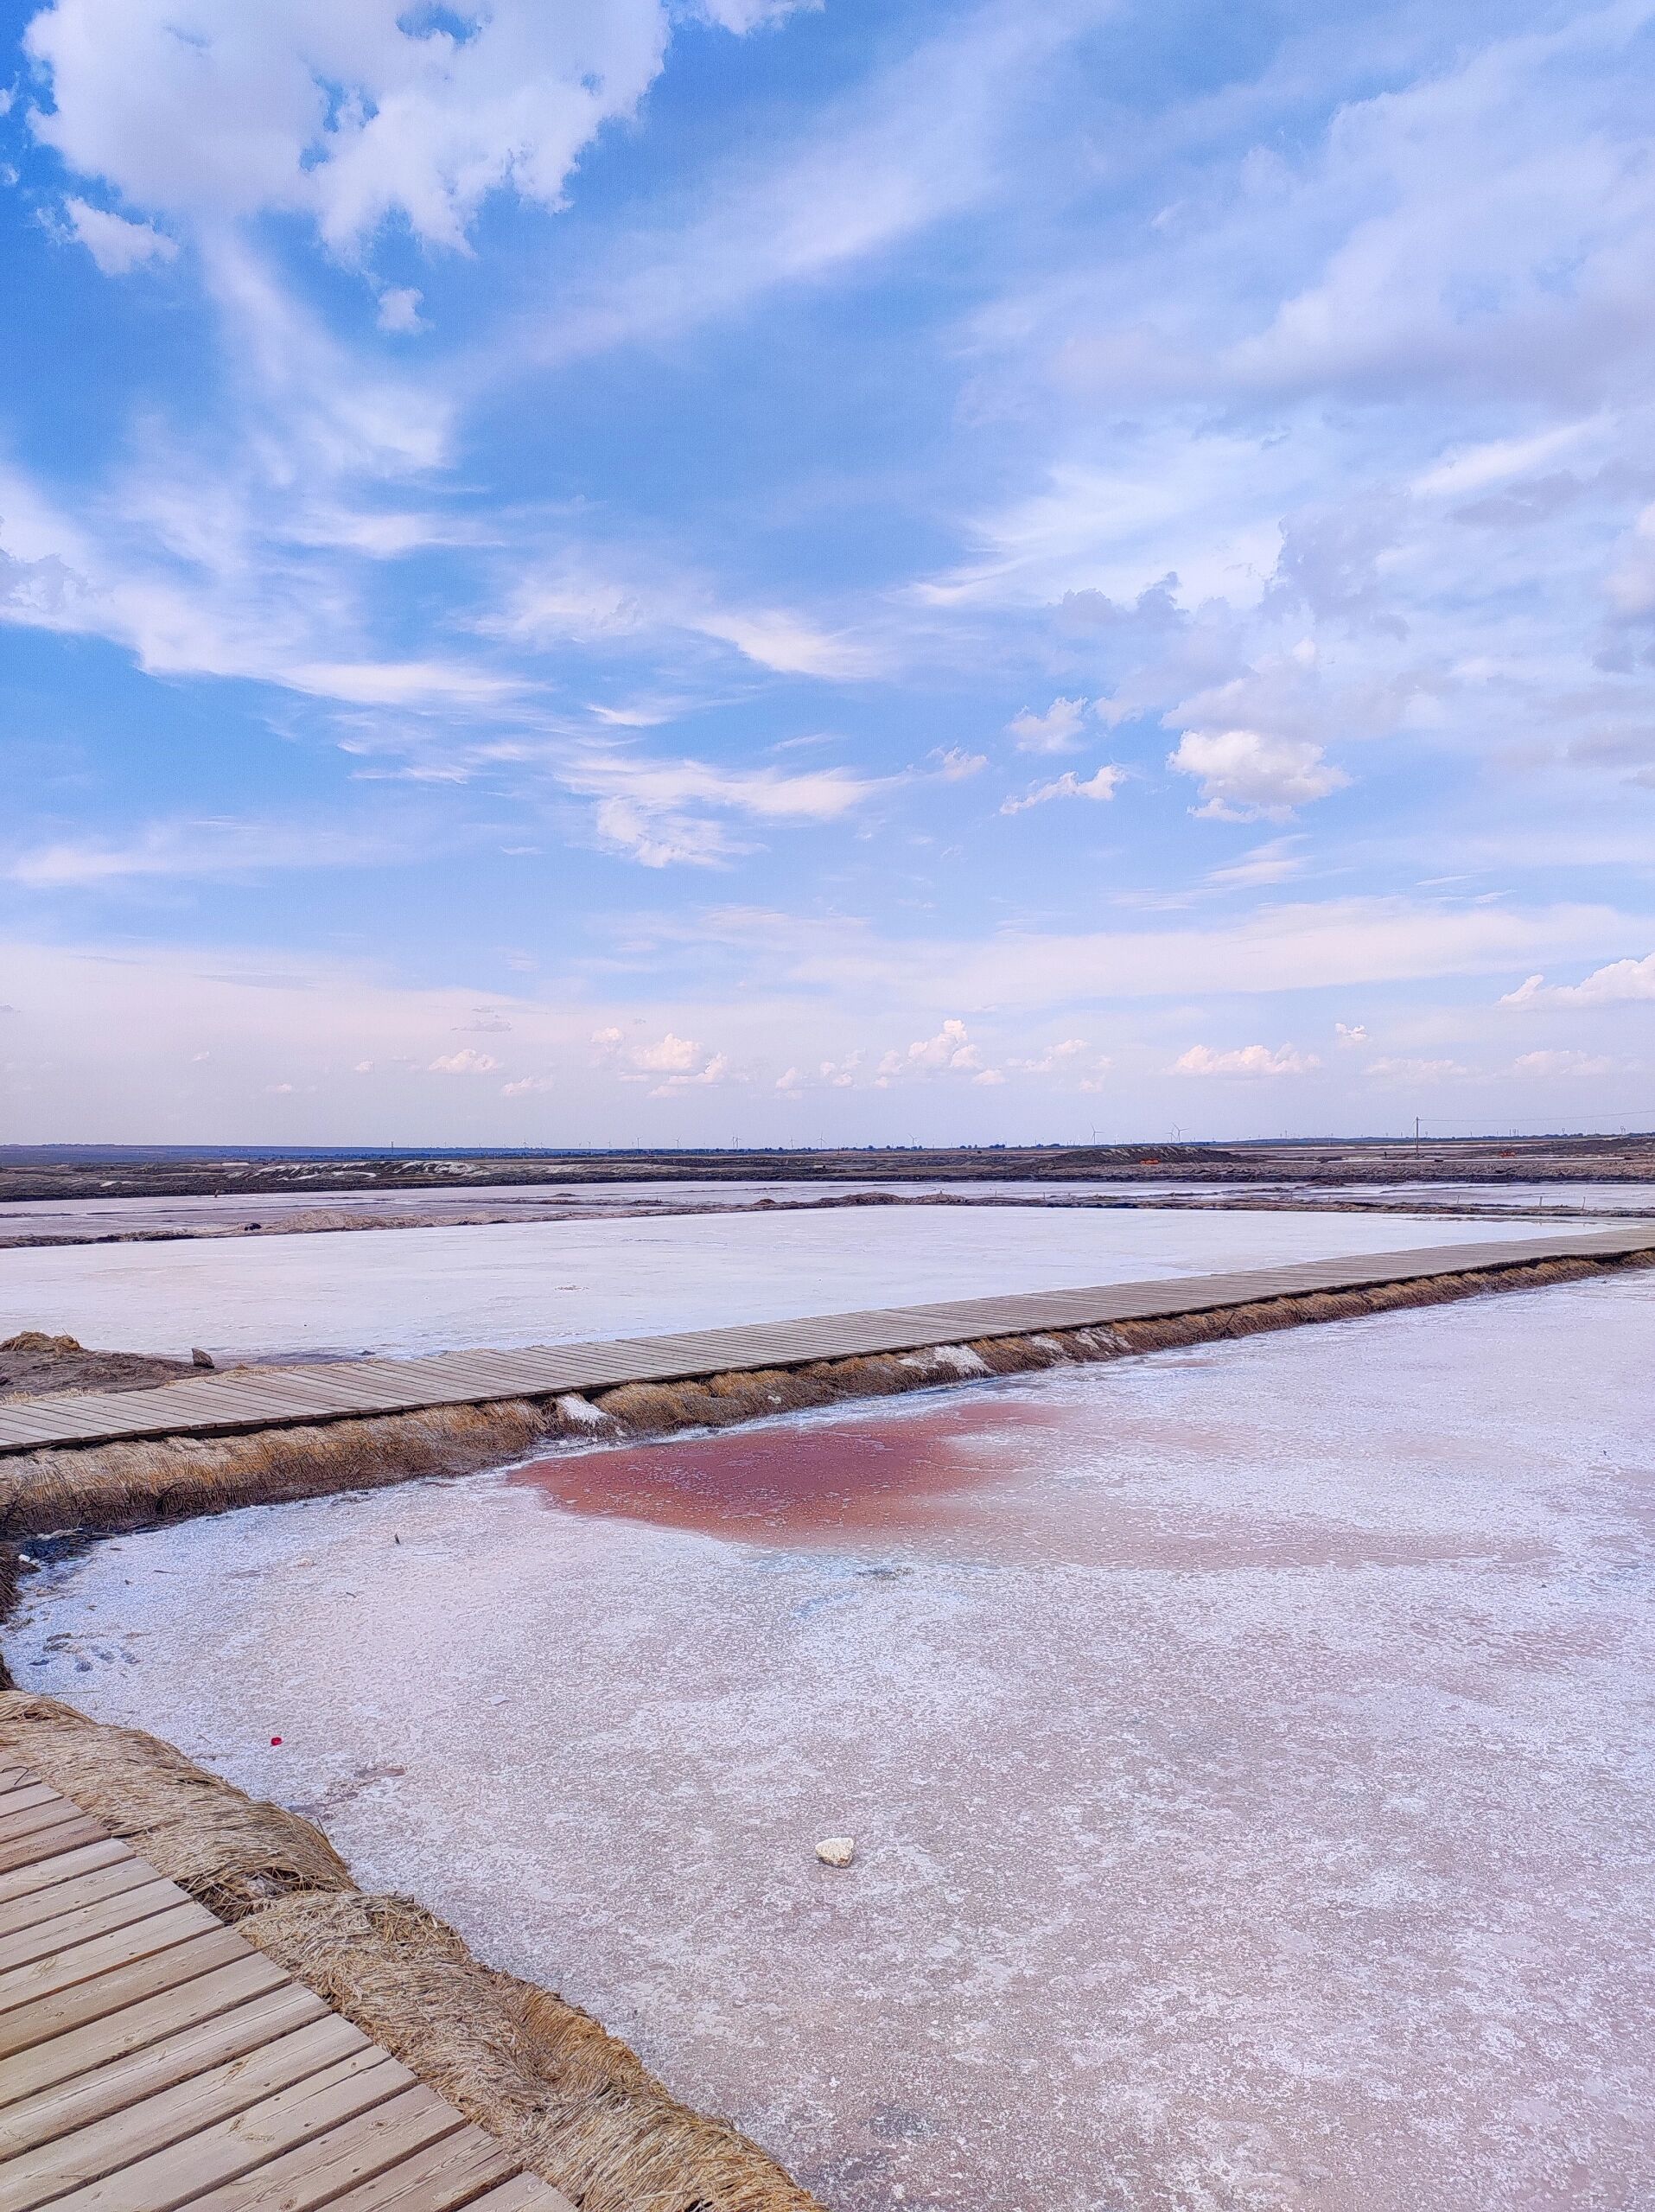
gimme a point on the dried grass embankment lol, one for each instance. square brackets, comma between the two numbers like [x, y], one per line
[103, 1486]
[562, 2094]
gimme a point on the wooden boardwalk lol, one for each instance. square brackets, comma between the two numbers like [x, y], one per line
[150, 2058]
[261, 1398]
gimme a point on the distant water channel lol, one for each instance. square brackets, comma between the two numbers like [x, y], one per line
[1248, 1752]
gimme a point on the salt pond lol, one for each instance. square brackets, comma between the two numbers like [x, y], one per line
[411, 1291]
[1248, 1752]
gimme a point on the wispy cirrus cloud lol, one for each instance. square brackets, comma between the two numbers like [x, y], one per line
[200, 849]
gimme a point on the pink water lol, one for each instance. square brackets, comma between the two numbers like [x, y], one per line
[1247, 1750]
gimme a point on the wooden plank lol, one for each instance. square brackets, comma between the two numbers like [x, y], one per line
[123, 1983]
[238, 2145]
[526, 2193]
[15, 1778]
[128, 2143]
[68, 1833]
[315, 2172]
[65, 1866]
[449, 2174]
[43, 1977]
[79, 2100]
[127, 1872]
[64, 1933]
[132, 2026]
[20, 1805]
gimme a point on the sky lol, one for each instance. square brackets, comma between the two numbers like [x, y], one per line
[708, 571]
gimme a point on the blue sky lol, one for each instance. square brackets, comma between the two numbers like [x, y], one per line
[626, 572]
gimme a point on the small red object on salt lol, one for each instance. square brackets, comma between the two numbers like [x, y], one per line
[275, 1739]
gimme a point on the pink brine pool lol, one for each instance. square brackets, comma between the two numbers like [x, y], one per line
[1247, 1753]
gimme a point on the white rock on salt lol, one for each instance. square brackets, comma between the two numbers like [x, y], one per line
[837, 1851]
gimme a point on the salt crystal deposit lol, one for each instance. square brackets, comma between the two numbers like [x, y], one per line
[1246, 1750]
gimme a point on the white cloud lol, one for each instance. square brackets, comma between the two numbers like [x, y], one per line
[1561, 1063]
[656, 839]
[740, 16]
[1245, 1060]
[526, 1085]
[1057, 1059]
[1271, 862]
[716, 1071]
[673, 1055]
[785, 642]
[1246, 776]
[830, 1075]
[210, 109]
[399, 310]
[1102, 786]
[657, 812]
[950, 1052]
[953, 765]
[917, 143]
[1059, 730]
[200, 850]
[466, 1061]
[1621, 983]
[581, 599]
[116, 244]
[1349, 1034]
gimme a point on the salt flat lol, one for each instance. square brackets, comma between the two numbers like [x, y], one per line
[1248, 1752]
[412, 1291]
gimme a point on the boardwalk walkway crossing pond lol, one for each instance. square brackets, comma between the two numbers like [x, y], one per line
[260, 1398]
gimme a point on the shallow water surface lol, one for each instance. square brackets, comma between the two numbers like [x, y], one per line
[1247, 1750]
[412, 1291]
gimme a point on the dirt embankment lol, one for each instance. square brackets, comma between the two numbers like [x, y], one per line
[114, 1486]
[33, 1364]
[59, 1171]
[560, 2092]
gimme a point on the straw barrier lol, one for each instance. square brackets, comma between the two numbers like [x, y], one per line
[97, 1487]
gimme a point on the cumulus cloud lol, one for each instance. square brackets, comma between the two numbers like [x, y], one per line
[680, 1062]
[1621, 983]
[1247, 776]
[829, 1075]
[466, 1061]
[1057, 1059]
[399, 310]
[1350, 1033]
[1059, 730]
[115, 243]
[1101, 785]
[204, 109]
[526, 1084]
[950, 1052]
[673, 1055]
[1245, 1060]
[714, 1071]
